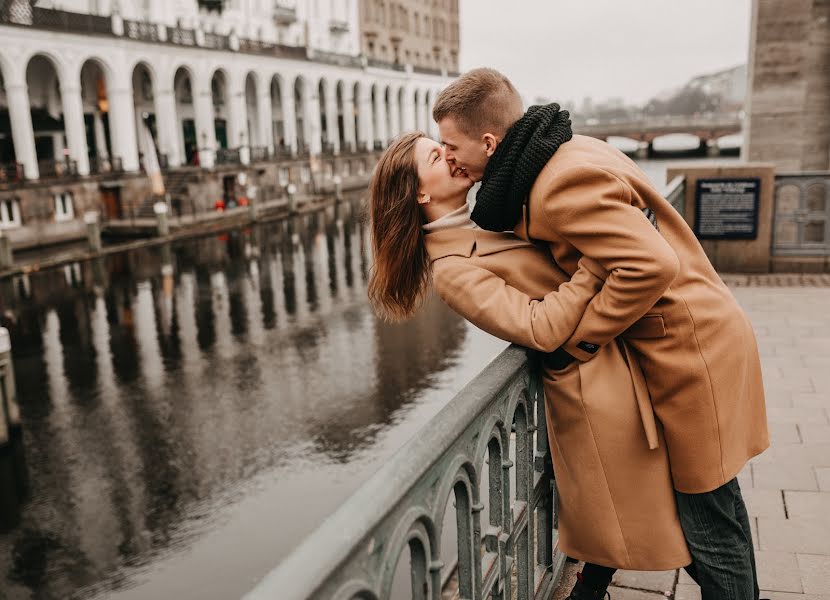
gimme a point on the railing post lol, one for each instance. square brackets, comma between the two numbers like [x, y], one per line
[6, 255]
[93, 230]
[162, 221]
[9, 411]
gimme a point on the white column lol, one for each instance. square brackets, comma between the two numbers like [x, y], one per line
[331, 119]
[408, 111]
[168, 126]
[266, 131]
[73, 120]
[237, 116]
[364, 117]
[380, 117]
[205, 131]
[394, 115]
[311, 121]
[23, 135]
[348, 118]
[100, 137]
[418, 112]
[289, 117]
[122, 120]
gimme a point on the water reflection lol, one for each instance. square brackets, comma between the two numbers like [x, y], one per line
[155, 384]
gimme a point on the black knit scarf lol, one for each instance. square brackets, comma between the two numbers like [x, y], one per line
[526, 148]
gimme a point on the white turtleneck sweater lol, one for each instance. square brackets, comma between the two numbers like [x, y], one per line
[457, 219]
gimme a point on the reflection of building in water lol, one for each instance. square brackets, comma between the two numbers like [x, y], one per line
[157, 382]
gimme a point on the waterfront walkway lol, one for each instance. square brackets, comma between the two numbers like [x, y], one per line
[787, 488]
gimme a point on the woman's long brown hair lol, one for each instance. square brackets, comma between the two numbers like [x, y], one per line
[401, 270]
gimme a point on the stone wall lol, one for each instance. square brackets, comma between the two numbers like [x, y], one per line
[788, 105]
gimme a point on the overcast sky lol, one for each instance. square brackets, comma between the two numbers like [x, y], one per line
[569, 49]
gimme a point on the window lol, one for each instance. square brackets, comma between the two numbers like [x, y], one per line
[417, 20]
[305, 174]
[9, 213]
[344, 168]
[64, 209]
[283, 175]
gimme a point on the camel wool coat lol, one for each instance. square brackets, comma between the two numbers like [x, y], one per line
[661, 294]
[616, 501]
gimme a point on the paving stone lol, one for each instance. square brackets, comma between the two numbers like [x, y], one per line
[815, 455]
[814, 433]
[802, 535]
[764, 503]
[812, 505]
[687, 592]
[745, 477]
[790, 596]
[815, 573]
[784, 433]
[778, 414]
[566, 583]
[815, 400]
[656, 581]
[778, 571]
[823, 476]
[784, 477]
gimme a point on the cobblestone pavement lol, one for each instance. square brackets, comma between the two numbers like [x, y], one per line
[787, 488]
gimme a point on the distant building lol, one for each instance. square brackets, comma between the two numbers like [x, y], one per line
[411, 32]
[89, 88]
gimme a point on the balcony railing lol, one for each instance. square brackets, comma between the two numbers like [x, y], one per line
[55, 20]
[105, 165]
[11, 173]
[141, 30]
[354, 553]
[338, 26]
[273, 50]
[260, 154]
[427, 70]
[181, 36]
[215, 41]
[382, 64]
[52, 168]
[228, 156]
[285, 15]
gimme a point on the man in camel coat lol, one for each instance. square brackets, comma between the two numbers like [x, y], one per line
[697, 349]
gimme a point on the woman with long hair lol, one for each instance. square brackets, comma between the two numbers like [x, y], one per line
[617, 504]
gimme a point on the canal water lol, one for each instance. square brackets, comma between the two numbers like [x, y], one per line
[192, 411]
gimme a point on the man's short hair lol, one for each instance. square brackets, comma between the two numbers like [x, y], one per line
[480, 101]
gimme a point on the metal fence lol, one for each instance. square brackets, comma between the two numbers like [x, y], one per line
[141, 30]
[801, 226]
[355, 552]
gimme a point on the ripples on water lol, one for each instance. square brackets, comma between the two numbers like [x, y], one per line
[191, 411]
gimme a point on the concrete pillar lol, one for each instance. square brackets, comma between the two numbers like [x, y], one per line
[289, 116]
[311, 120]
[73, 120]
[122, 122]
[364, 117]
[162, 219]
[168, 126]
[93, 230]
[265, 114]
[331, 119]
[349, 132]
[205, 131]
[6, 255]
[408, 111]
[380, 117]
[100, 135]
[642, 150]
[23, 135]
[394, 116]
[712, 148]
[237, 117]
[9, 410]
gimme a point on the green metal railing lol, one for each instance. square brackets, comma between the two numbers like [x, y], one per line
[355, 552]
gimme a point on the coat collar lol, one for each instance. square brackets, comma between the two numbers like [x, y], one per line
[462, 242]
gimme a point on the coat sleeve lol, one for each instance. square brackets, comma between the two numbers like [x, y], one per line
[591, 209]
[487, 301]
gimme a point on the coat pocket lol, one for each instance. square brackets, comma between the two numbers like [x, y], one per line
[649, 326]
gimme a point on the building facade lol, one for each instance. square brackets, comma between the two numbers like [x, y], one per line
[99, 92]
[788, 105]
[424, 34]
